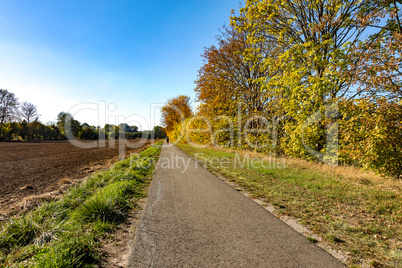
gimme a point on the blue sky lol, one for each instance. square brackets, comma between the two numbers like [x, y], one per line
[133, 54]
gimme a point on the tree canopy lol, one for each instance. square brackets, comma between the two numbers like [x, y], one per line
[175, 111]
[320, 80]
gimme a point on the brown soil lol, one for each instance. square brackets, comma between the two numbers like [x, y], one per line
[34, 168]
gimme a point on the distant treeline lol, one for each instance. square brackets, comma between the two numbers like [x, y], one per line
[21, 122]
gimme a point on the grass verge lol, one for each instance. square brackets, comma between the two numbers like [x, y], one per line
[354, 211]
[67, 232]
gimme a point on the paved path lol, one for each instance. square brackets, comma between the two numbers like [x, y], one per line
[194, 219]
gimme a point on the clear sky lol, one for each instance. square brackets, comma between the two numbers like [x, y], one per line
[130, 53]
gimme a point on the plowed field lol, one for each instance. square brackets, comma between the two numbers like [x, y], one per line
[32, 168]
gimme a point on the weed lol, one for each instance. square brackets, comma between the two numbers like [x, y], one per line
[19, 232]
[312, 239]
[59, 259]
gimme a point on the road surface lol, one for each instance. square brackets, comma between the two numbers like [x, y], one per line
[194, 219]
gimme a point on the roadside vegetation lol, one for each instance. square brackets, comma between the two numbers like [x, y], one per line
[316, 80]
[67, 232]
[352, 210]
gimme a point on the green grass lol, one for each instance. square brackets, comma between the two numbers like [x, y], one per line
[360, 218]
[312, 239]
[66, 232]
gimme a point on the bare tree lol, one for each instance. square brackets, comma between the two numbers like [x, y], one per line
[29, 111]
[8, 107]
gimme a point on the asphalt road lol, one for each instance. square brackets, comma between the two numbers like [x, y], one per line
[194, 219]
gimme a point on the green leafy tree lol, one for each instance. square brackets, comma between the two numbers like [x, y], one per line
[68, 125]
[158, 133]
[124, 127]
[11, 130]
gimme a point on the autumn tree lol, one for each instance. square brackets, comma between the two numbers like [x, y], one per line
[229, 84]
[310, 67]
[175, 111]
[372, 132]
[377, 68]
[8, 107]
[226, 79]
[370, 135]
[314, 40]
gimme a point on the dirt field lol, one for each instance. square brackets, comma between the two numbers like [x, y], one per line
[32, 168]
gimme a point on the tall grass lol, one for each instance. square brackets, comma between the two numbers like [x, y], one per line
[66, 232]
